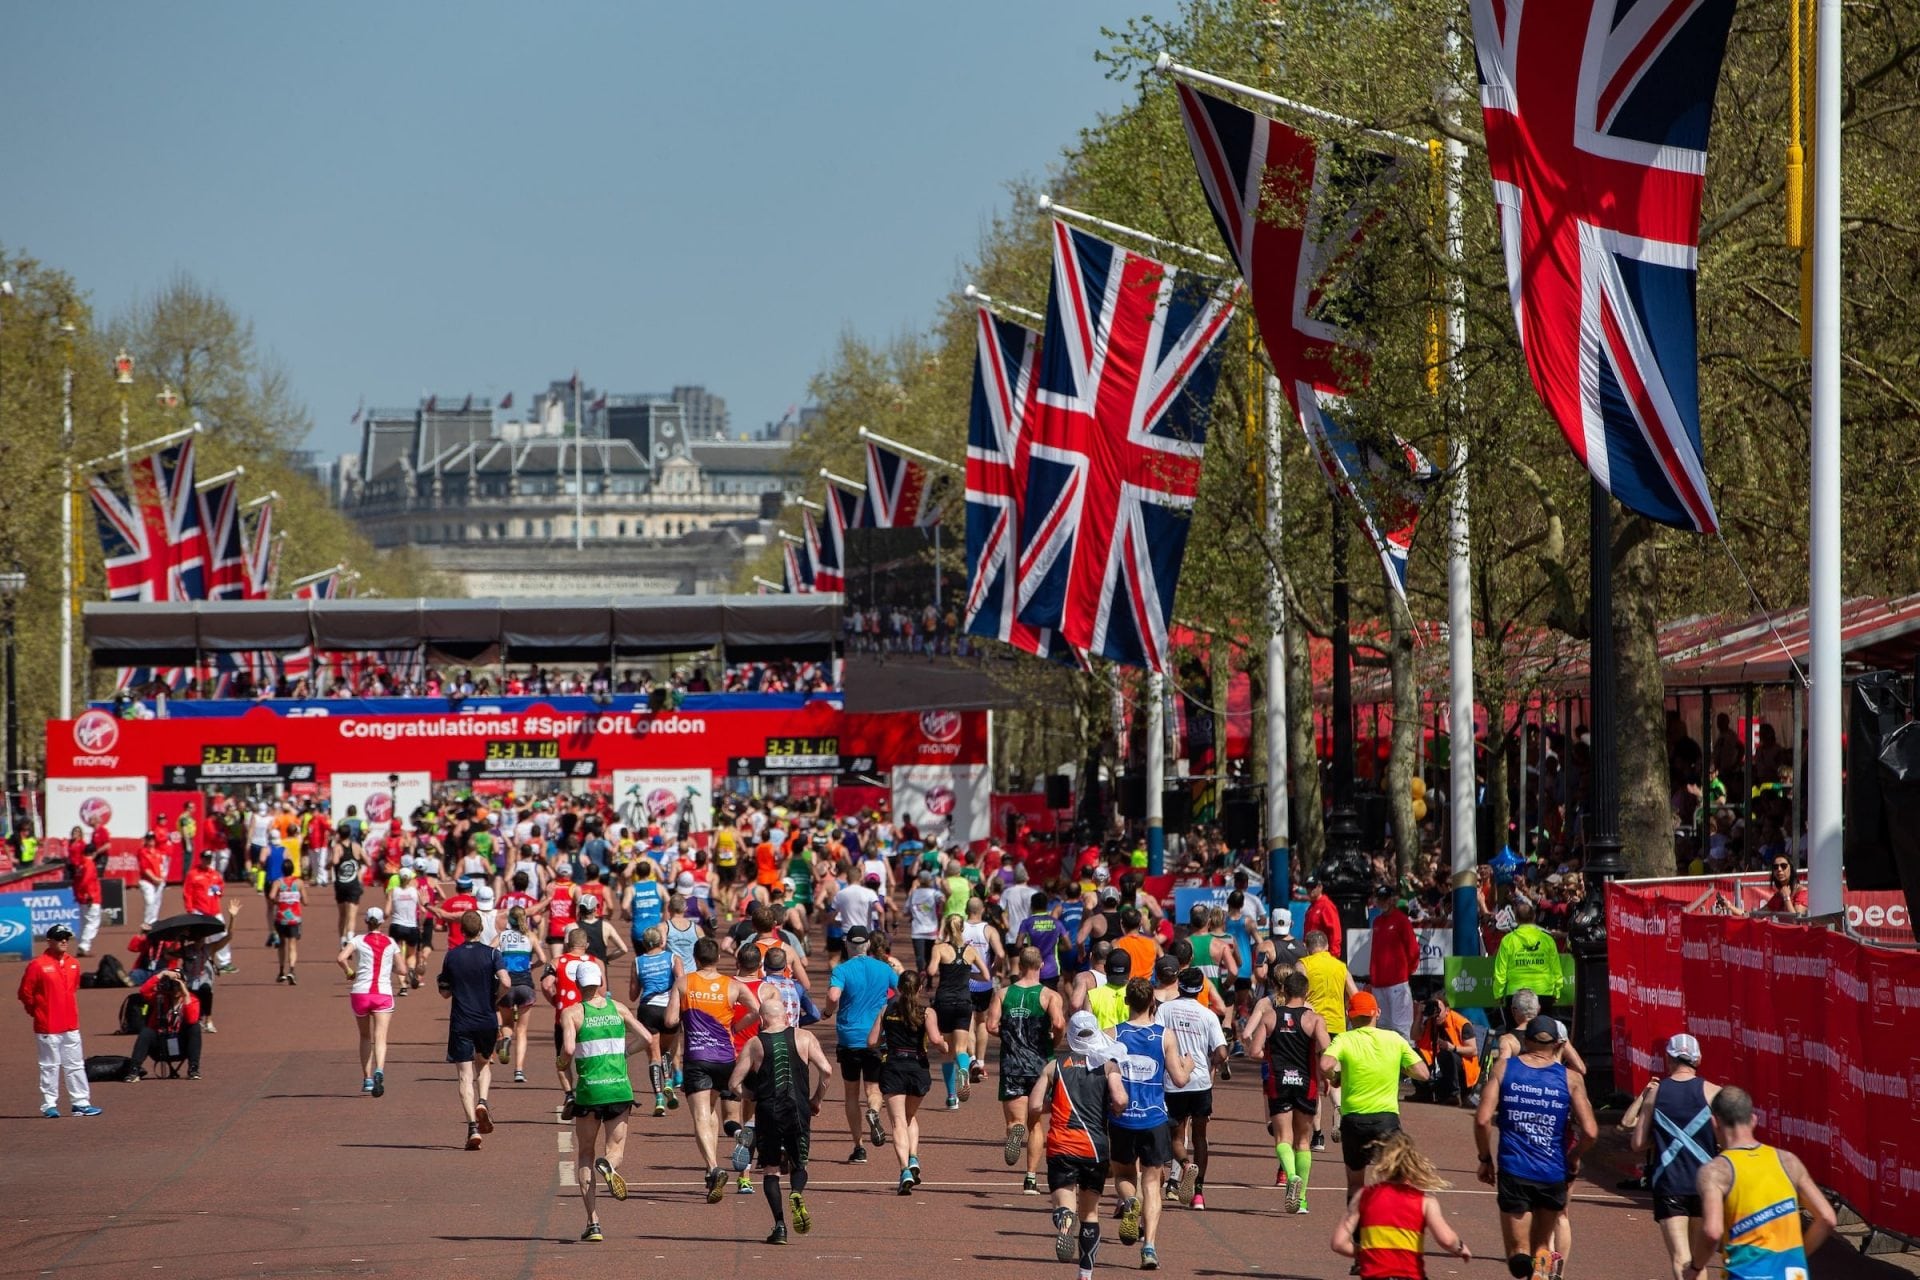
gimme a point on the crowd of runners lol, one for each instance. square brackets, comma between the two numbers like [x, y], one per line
[685, 971]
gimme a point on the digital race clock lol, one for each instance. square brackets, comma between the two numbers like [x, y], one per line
[523, 749]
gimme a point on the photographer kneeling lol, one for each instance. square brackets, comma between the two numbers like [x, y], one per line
[173, 1012]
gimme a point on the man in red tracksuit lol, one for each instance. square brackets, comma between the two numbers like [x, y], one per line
[86, 892]
[204, 891]
[49, 990]
[1396, 954]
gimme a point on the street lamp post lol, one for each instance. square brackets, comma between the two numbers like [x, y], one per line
[67, 585]
[12, 583]
[1344, 871]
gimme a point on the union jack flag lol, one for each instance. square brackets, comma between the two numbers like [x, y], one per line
[799, 568]
[1127, 373]
[896, 490]
[1292, 219]
[1596, 118]
[261, 555]
[299, 664]
[823, 551]
[127, 539]
[1003, 371]
[226, 570]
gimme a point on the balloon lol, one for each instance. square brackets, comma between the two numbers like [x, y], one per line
[1419, 788]
[1419, 810]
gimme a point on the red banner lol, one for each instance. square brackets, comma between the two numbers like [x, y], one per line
[1030, 805]
[1814, 1024]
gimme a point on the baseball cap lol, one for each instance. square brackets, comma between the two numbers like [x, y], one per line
[586, 973]
[1311, 882]
[1545, 1030]
[1119, 964]
[375, 915]
[1192, 982]
[564, 870]
[1362, 1005]
[1085, 1037]
[684, 880]
[407, 862]
[1683, 1048]
[483, 896]
[56, 932]
[1280, 920]
[859, 934]
[873, 878]
[1382, 892]
[1100, 873]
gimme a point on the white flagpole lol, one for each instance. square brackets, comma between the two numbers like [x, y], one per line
[1047, 204]
[1156, 772]
[261, 501]
[1165, 65]
[994, 304]
[315, 577]
[810, 505]
[147, 446]
[759, 581]
[1279, 884]
[203, 485]
[842, 481]
[794, 538]
[1826, 700]
[909, 450]
[68, 497]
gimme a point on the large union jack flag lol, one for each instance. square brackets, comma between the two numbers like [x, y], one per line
[896, 490]
[1596, 118]
[1293, 218]
[798, 567]
[261, 557]
[226, 569]
[823, 546]
[151, 538]
[1127, 373]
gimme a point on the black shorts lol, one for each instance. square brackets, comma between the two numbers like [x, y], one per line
[1076, 1173]
[288, 932]
[858, 1064]
[1012, 1087]
[901, 1077]
[1360, 1135]
[1665, 1207]
[465, 1044]
[1148, 1147]
[653, 1017]
[1286, 1099]
[406, 934]
[1194, 1104]
[704, 1077]
[520, 995]
[1523, 1195]
[981, 1000]
[347, 891]
[426, 934]
[606, 1113]
[952, 1017]
[775, 1145]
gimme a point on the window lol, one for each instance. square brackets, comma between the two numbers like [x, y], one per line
[621, 529]
[500, 530]
[526, 528]
[546, 528]
[593, 528]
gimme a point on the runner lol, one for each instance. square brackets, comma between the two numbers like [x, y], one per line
[1042, 930]
[1291, 1039]
[403, 925]
[738, 1122]
[1369, 1060]
[903, 1036]
[288, 899]
[1108, 1002]
[643, 902]
[1142, 1147]
[656, 972]
[1329, 987]
[923, 914]
[954, 967]
[1385, 1223]
[1545, 1122]
[707, 1002]
[521, 951]
[1075, 1095]
[1676, 1122]
[374, 972]
[557, 985]
[557, 908]
[603, 940]
[594, 1034]
[988, 941]
[1751, 1198]
[473, 976]
[790, 1074]
[861, 986]
[1196, 1028]
[1030, 1020]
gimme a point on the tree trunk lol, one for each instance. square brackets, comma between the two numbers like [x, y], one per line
[1406, 730]
[1303, 761]
[1220, 676]
[1646, 822]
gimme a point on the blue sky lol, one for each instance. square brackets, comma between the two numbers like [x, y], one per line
[480, 196]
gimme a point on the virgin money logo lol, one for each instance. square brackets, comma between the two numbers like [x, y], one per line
[940, 801]
[95, 733]
[940, 726]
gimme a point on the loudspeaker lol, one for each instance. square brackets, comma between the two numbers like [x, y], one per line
[1899, 774]
[659, 698]
[1133, 796]
[1014, 819]
[1176, 811]
[1240, 821]
[1059, 791]
[1876, 708]
[1372, 811]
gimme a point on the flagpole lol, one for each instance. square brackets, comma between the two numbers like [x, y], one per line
[260, 501]
[909, 450]
[201, 486]
[1166, 66]
[810, 505]
[1156, 773]
[759, 581]
[842, 481]
[994, 304]
[126, 451]
[1827, 698]
[316, 576]
[68, 602]
[1279, 877]
[1047, 204]
[579, 477]
[794, 538]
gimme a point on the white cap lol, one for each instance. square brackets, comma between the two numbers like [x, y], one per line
[1683, 1048]
[483, 896]
[1085, 1037]
[684, 880]
[375, 915]
[1280, 920]
[586, 973]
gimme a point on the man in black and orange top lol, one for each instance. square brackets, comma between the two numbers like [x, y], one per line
[1451, 1047]
[1076, 1092]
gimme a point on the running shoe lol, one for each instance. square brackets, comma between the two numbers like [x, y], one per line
[291, 980]
[797, 1208]
[229, 968]
[1030, 1185]
[51, 1113]
[1279, 1177]
[978, 1071]
[859, 1155]
[566, 1106]
[1066, 1245]
[1294, 1188]
[875, 1133]
[1170, 1190]
[1130, 1221]
[1149, 1258]
[192, 1074]
[778, 1235]
[473, 1136]
[481, 1117]
[1199, 1201]
[504, 1053]
[953, 1103]
[1016, 1143]
[616, 1185]
[657, 1077]
[1319, 1140]
[1226, 1072]
[519, 1077]
[379, 1084]
[278, 977]
[906, 1183]
[673, 1099]
[366, 1086]
[913, 1169]
[1189, 1180]
[743, 1149]
[659, 1105]
[745, 1186]
[716, 1186]
[966, 1086]
[592, 1234]
[85, 1110]
[206, 1025]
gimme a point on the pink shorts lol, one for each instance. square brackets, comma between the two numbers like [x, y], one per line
[370, 1002]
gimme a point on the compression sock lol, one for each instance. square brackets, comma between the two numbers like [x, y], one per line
[1283, 1152]
[770, 1184]
[799, 1177]
[1089, 1243]
[1303, 1161]
[966, 1063]
[947, 1074]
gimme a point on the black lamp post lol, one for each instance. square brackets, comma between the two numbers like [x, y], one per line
[12, 583]
[1587, 926]
[1344, 871]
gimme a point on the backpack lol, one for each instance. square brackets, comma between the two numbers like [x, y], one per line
[111, 973]
[133, 1014]
[102, 1067]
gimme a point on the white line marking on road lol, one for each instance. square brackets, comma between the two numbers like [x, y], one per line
[565, 1139]
[566, 1174]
